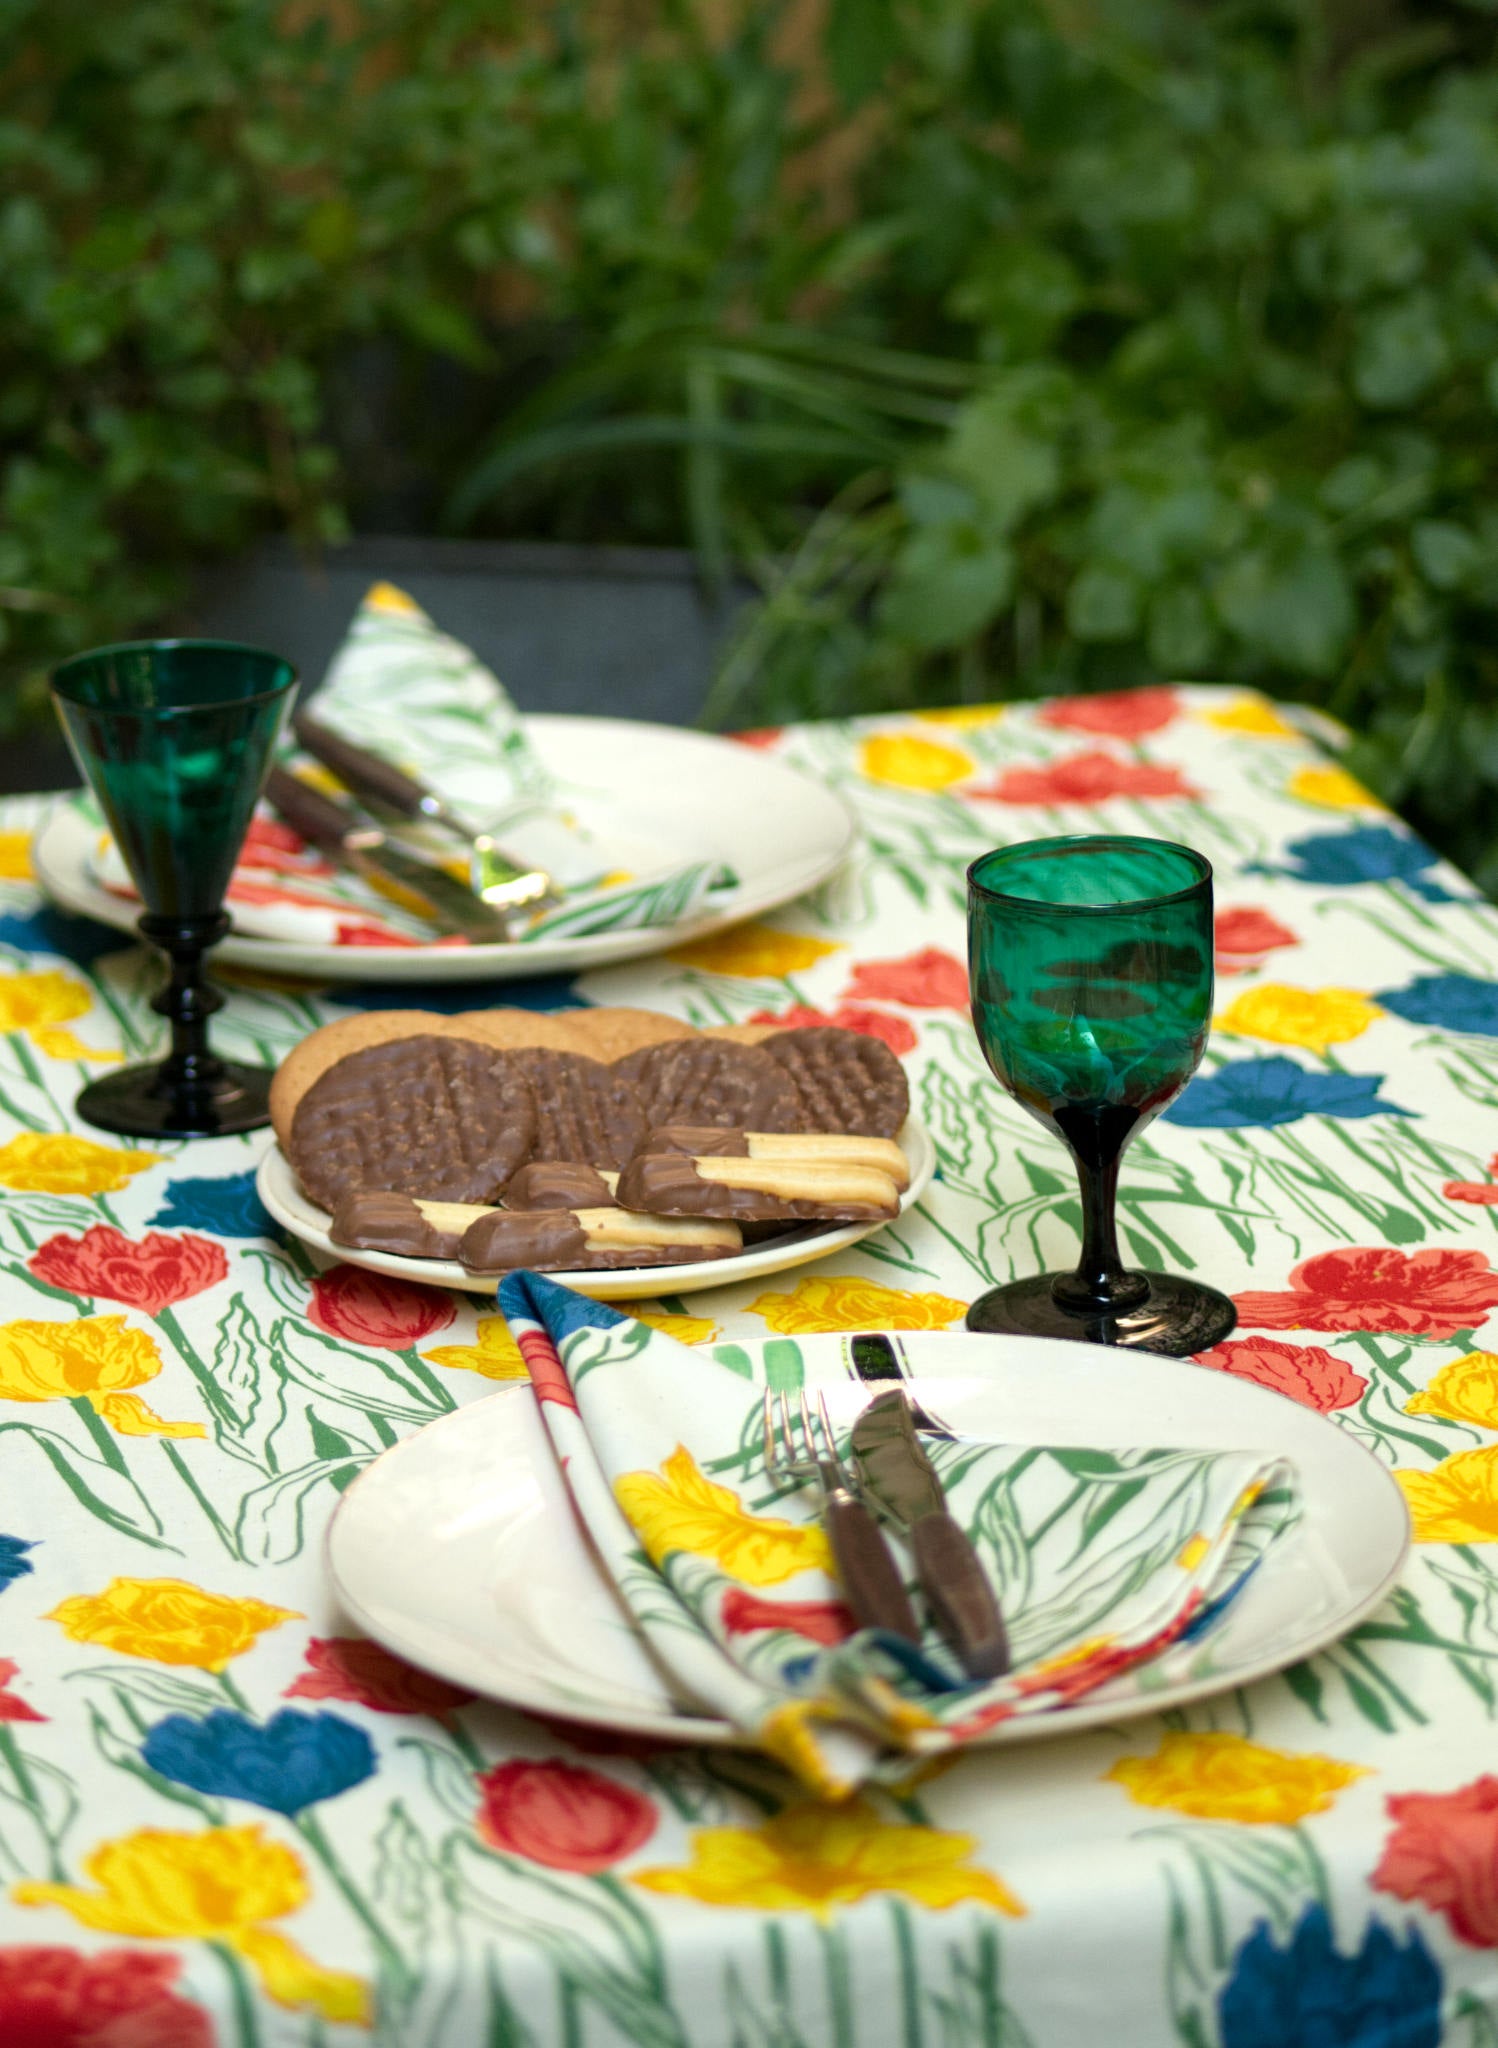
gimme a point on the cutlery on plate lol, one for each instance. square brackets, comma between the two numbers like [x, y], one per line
[343, 836]
[389, 792]
[865, 1563]
[894, 1468]
[875, 1360]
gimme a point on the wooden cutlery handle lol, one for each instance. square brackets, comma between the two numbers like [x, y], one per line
[317, 818]
[365, 773]
[866, 1566]
[954, 1581]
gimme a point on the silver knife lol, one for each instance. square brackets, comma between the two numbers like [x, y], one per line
[390, 793]
[902, 1481]
[342, 835]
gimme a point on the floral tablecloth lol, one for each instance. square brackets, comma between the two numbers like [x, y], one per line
[226, 1820]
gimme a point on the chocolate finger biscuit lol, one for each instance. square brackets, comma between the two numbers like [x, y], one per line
[589, 1240]
[585, 1111]
[789, 1147]
[440, 1117]
[713, 1081]
[560, 1184]
[845, 1080]
[757, 1190]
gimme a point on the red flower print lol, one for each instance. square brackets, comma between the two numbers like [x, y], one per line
[820, 1621]
[12, 1706]
[381, 935]
[1483, 1192]
[1424, 1294]
[896, 1033]
[1316, 1378]
[351, 1668]
[1244, 937]
[116, 1998]
[1083, 779]
[147, 1275]
[274, 849]
[1444, 1852]
[928, 980]
[547, 1375]
[562, 1815]
[756, 735]
[367, 1308]
[1125, 714]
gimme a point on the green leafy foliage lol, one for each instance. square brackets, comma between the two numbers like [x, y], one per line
[1013, 347]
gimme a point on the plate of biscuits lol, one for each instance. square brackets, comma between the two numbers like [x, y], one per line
[621, 1149]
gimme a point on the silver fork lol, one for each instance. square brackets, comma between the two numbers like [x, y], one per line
[865, 1563]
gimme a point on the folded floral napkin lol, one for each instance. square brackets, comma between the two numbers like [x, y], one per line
[403, 688]
[1112, 1566]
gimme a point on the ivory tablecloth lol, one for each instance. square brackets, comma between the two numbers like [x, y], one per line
[223, 1819]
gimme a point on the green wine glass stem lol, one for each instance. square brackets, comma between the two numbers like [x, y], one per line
[187, 1001]
[1100, 1285]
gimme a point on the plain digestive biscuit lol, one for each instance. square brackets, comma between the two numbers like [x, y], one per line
[757, 1190]
[821, 1147]
[589, 1240]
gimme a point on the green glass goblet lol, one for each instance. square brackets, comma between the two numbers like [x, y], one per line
[1091, 968]
[175, 738]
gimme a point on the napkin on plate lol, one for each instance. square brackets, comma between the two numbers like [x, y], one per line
[1112, 1566]
[402, 687]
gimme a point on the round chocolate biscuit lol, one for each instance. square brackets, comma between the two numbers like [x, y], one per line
[713, 1081]
[585, 1111]
[438, 1117]
[846, 1081]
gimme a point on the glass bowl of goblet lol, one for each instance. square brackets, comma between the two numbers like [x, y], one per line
[1090, 961]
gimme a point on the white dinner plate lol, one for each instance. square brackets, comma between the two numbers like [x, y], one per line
[281, 1193]
[780, 831]
[459, 1549]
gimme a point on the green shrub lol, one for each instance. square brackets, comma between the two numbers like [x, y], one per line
[1026, 347]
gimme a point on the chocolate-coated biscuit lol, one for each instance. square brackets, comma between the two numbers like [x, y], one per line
[584, 1110]
[790, 1191]
[378, 1220]
[562, 1241]
[440, 1117]
[713, 1081]
[558, 1184]
[845, 1080]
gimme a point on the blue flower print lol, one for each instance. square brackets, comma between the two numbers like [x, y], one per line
[14, 1563]
[1370, 853]
[1256, 1093]
[49, 930]
[1460, 1002]
[228, 1207]
[1308, 1996]
[293, 1761]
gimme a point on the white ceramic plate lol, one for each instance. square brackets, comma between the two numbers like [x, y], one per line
[459, 1550]
[779, 830]
[278, 1189]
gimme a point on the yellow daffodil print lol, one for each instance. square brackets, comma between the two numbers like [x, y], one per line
[685, 1329]
[1312, 1017]
[15, 857]
[1464, 1391]
[816, 1857]
[220, 1885]
[169, 1621]
[905, 760]
[848, 1302]
[756, 952]
[682, 1509]
[1458, 1501]
[1332, 789]
[96, 1357]
[495, 1354]
[41, 1005]
[963, 717]
[1217, 1776]
[386, 597]
[1255, 717]
[48, 1163]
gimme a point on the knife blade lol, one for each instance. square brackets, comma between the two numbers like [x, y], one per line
[339, 833]
[897, 1473]
[875, 1359]
[389, 792]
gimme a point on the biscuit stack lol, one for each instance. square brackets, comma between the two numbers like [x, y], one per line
[586, 1139]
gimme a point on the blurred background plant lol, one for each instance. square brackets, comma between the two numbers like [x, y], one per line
[1011, 346]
